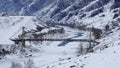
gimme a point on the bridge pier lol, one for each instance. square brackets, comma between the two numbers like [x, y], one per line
[23, 35]
[90, 44]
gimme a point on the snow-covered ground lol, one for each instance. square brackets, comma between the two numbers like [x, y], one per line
[43, 54]
[108, 58]
[49, 55]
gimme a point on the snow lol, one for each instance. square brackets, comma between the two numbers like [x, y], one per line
[63, 54]
[107, 58]
[102, 57]
[46, 53]
[8, 29]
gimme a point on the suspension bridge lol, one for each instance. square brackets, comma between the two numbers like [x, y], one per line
[23, 39]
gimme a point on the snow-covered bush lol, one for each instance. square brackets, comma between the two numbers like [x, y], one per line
[83, 49]
[29, 64]
[16, 65]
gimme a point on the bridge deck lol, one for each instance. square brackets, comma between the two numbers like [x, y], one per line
[43, 39]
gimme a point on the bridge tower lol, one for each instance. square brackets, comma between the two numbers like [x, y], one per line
[23, 37]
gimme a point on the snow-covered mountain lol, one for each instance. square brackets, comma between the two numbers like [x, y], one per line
[69, 11]
[101, 14]
[27, 7]
[60, 11]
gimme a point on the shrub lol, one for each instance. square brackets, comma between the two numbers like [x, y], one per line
[29, 64]
[96, 33]
[16, 65]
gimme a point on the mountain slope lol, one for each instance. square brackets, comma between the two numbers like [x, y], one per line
[105, 54]
[24, 7]
[75, 9]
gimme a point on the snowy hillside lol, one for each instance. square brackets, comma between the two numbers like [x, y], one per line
[11, 24]
[75, 11]
[106, 54]
[108, 58]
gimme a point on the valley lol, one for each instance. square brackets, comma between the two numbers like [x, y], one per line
[59, 34]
